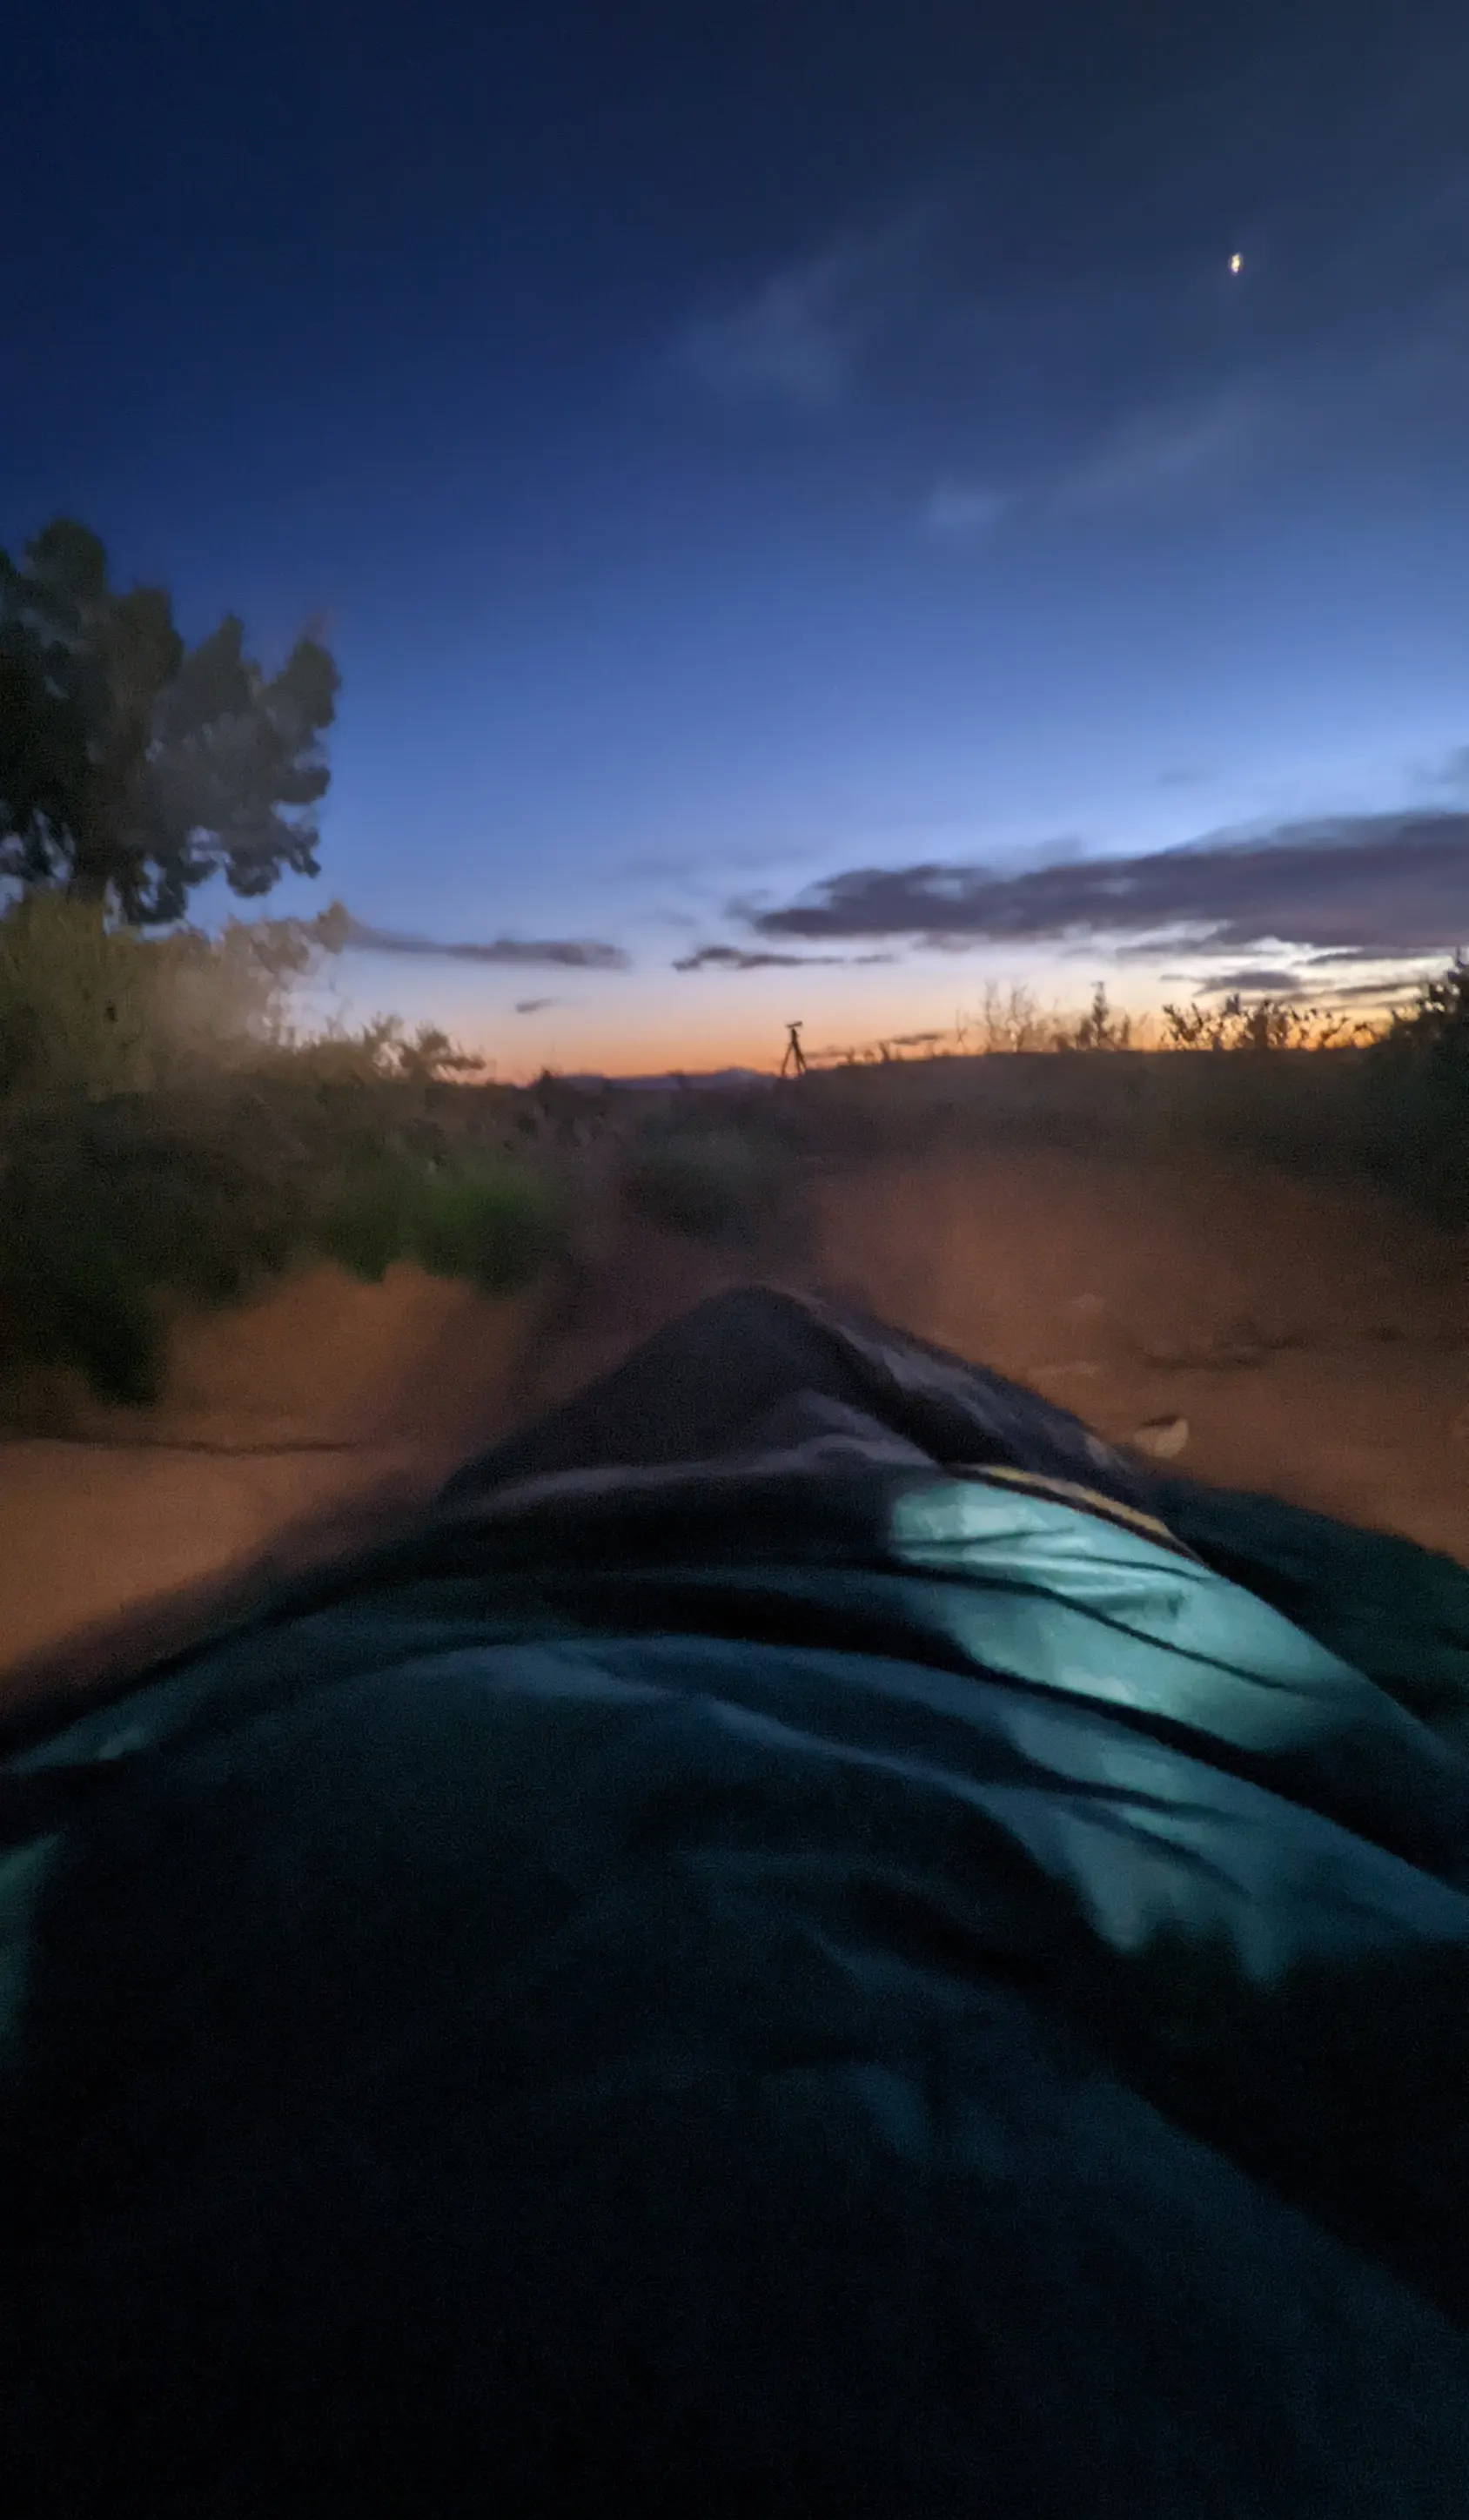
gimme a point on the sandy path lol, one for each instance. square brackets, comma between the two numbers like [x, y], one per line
[294, 1427]
[1317, 1342]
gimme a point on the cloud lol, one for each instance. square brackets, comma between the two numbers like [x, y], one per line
[1382, 993]
[536, 1005]
[801, 335]
[1364, 364]
[1370, 953]
[1151, 455]
[1453, 771]
[1393, 884]
[1149, 458]
[965, 512]
[1313, 986]
[736, 958]
[1253, 978]
[574, 953]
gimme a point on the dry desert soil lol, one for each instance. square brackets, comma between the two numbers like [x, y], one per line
[1308, 1340]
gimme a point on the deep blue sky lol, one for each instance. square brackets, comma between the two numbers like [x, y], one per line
[738, 449]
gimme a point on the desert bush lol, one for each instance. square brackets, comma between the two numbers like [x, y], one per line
[113, 1214]
[1006, 1020]
[1431, 1035]
[379, 1051]
[495, 1222]
[712, 1182]
[1259, 1024]
[88, 1007]
[77, 1011]
[1417, 1091]
[369, 1214]
[1101, 1028]
[106, 1215]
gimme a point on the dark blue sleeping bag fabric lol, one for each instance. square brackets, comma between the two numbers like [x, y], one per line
[798, 1948]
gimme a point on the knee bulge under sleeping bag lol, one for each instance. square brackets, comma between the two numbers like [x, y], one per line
[810, 1944]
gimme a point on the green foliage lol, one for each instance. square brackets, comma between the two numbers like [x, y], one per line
[713, 1184]
[78, 1008]
[380, 1049]
[88, 1007]
[1418, 1083]
[133, 768]
[369, 1216]
[113, 1213]
[496, 1225]
[105, 1215]
[493, 1222]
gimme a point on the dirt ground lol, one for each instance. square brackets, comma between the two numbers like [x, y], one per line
[1309, 1342]
[292, 1427]
[1313, 1341]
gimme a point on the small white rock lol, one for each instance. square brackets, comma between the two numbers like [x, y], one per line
[1163, 1437]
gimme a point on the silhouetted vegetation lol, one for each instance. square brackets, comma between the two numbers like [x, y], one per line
[1260, 1080]
[1100, 1027]
[1266, 1024]
[1419, 1085]
[717, 1181]
[168, 1138]
[490, 1221]
[115, 1212]
[133, 768]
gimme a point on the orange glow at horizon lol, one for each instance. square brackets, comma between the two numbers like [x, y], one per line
[650, 1023]
[666, 1039]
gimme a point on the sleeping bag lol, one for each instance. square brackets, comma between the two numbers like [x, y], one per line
[814, 1941]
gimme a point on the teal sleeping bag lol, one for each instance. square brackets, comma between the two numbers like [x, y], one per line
[801, 1947]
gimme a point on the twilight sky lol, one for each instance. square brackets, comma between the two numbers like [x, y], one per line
[805, 512]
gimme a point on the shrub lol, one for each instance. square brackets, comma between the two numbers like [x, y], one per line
[1259, 1024]
[1101, 1028]
[1433, 1034]
[1418, 1094]
[367, 1218]
[113, 1212]
[104, 1216]
[91, 1007]
[713, 1184]
[1006, 1019]
[494, 1223]
[497, 1224]
[76, 1002]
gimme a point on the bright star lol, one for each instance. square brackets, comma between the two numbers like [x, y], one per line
[1237, 263]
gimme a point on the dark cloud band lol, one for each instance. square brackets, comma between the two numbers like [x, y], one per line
[571, 953]
[736, 958]
[1394, 884]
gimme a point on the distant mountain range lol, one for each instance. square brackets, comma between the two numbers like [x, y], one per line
[716, 1080]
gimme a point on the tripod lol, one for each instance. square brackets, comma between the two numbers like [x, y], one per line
[794, 1061]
